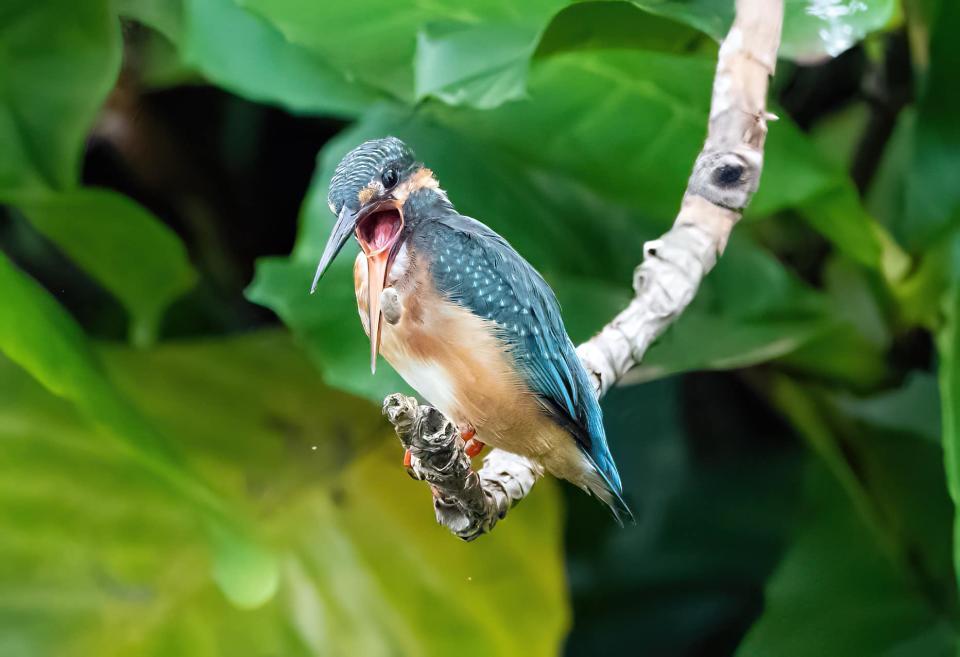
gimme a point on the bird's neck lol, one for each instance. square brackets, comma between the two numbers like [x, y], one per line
[425, 203]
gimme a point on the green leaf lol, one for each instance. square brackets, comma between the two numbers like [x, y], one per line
[837, 594]
[243, 53]
[888, 475]
[855, 351]
[61, 62]
[913, 408]
[915, 192]
[41, 337]
[375, 42]
[713, 18]
[932, 191]
[812, 29]
[37, 334]
[477, 53]
[618, 25]
[327, 323]
[886, 195]
[948, 348]
[58, 60]
[121, 245]
[365, 568]
[838, 135]
[480, 66]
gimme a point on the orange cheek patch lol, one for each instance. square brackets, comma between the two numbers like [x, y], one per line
[422, 178]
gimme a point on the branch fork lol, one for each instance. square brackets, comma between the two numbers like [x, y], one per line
[725, 176]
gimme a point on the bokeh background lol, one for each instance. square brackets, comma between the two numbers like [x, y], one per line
[192, 458]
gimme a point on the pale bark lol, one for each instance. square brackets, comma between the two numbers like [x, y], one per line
[725, 176]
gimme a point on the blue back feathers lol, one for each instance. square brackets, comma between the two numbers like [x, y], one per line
[477, 268]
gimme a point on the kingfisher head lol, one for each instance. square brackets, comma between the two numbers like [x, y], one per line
[368, 193]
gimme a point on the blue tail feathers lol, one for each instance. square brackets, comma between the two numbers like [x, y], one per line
[601, 459]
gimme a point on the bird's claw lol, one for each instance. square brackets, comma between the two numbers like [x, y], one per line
[472, 446]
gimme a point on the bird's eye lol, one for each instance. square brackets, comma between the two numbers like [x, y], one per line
[389, 178]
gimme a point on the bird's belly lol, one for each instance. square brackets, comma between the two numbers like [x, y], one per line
[455, 361]
[431, 381]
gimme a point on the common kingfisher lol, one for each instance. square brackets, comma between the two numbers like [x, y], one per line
[479, 333]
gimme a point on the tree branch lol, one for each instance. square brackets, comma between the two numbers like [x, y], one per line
[725, 176]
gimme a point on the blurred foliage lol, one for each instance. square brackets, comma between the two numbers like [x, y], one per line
[183, 476]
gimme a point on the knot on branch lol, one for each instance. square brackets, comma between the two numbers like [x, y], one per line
[726, 178]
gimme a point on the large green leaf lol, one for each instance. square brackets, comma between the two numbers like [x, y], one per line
[375, 42]
[837, 594]
[840, 217]
[39, 335]
[948, 347]
[812, 29]
[854, 353]
[932, 190]
[915, 191]
[365, 569]
[243, 53]
[121, 245]
[913, 408]
[618, 25]
[891, 478]
[474, 58]
[58, 60]
[478, 65]
[246, 55]
[477, 53]
[816, 29]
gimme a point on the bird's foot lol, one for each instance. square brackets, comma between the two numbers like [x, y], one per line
[472, 446]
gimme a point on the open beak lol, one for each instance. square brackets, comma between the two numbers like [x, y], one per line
[377, 227]
[346, 224]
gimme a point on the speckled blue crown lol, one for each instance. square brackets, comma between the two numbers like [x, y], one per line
[363, 164]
